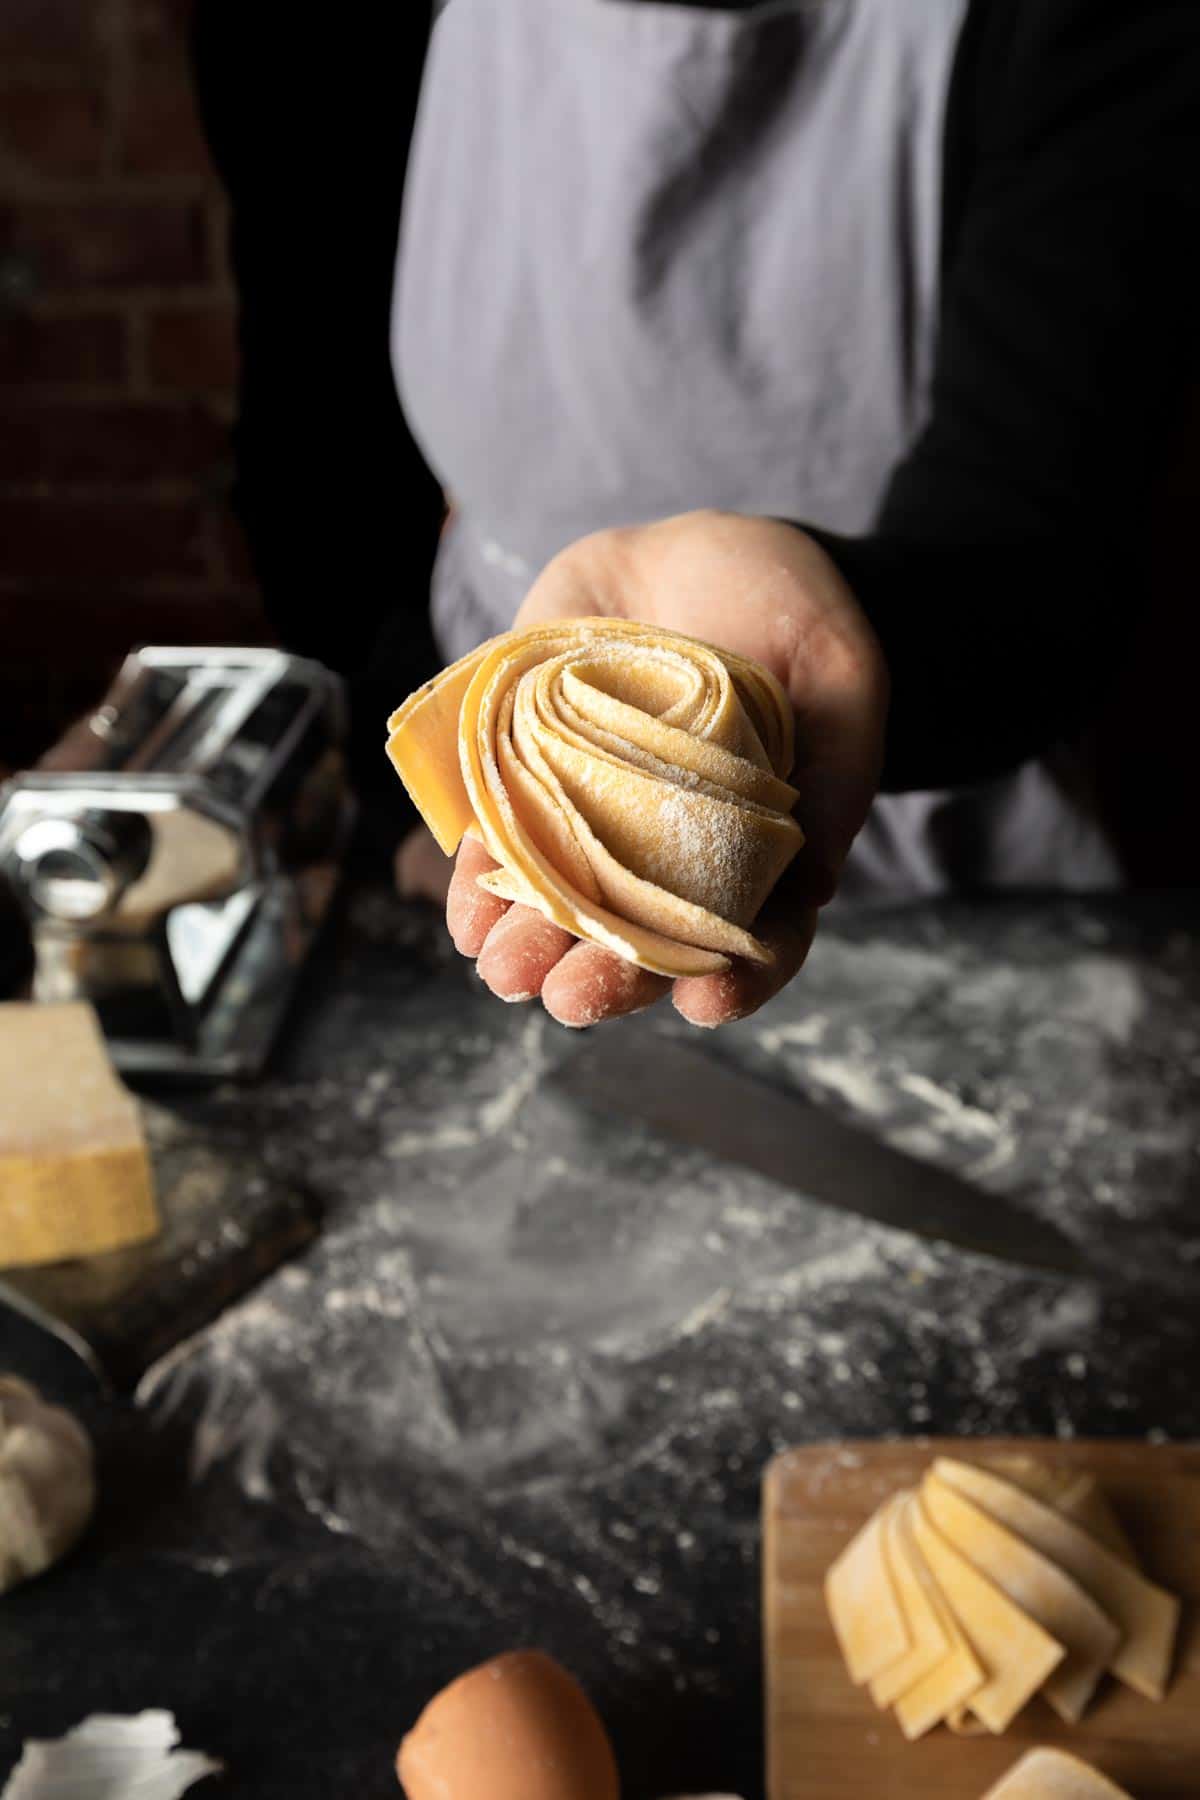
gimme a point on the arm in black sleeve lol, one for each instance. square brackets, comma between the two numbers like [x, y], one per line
[1004, 572]
[309, 114]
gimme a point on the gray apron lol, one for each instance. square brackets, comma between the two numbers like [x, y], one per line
[655, 257]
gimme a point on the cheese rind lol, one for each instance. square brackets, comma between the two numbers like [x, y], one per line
[75, 1175]
[1054, 1775]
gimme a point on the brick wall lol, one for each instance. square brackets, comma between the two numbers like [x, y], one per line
[117, 360]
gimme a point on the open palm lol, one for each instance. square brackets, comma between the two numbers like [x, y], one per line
[764, 590]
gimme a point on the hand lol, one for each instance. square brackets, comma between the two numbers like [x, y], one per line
[766, 591]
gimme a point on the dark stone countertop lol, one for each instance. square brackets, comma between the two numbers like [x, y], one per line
[523, 1386]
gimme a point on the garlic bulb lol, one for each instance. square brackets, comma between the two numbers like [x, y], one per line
[47, 1485]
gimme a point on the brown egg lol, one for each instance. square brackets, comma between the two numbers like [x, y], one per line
[517, 1728]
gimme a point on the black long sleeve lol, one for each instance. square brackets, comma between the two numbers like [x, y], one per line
[1006, 569]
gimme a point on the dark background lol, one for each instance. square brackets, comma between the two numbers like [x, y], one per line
[118, 359]
[124, 363]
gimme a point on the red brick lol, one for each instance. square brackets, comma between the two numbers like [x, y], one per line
[50, 30]
[193, 349]
[160, 132]
[110, 443]
[56, 131]
[87, 349]
[108, 244]
[56, 539]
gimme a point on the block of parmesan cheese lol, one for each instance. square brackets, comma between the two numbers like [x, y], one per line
[1054, 1775]
[75, 1176]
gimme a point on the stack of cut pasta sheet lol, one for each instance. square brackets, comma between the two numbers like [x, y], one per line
[981, 1593]
[630, 783]
[962, 1598]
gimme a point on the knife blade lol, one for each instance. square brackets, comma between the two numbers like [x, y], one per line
[705, 1103]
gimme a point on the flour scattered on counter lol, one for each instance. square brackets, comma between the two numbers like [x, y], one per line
[1104, 993]
[495, 1113]
[851, 1082]
[804, 1031]
[442, 1137]
[529, 1340]
[1065, 1321]
[957, 1118]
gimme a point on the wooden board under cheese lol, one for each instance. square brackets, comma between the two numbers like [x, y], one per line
[825, 1736]
[75, 1177]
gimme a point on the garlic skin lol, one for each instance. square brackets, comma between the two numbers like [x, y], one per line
[47, 1482]
[110, 1757]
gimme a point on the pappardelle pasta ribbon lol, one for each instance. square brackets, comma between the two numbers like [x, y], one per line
[629, 782]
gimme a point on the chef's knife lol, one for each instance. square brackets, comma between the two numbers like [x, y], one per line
[708, 1104]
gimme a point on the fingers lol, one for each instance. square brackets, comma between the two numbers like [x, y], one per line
[471, 912]
[580, 984]
[515, 948]
[712, 1000]
[590, 984]
[521, 950]
[519, 954]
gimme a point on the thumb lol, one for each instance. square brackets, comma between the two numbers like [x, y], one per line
[590, 579]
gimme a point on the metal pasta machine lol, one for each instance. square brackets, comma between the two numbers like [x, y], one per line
[176, 853]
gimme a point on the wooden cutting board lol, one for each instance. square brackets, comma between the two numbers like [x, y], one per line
[826, 1741]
